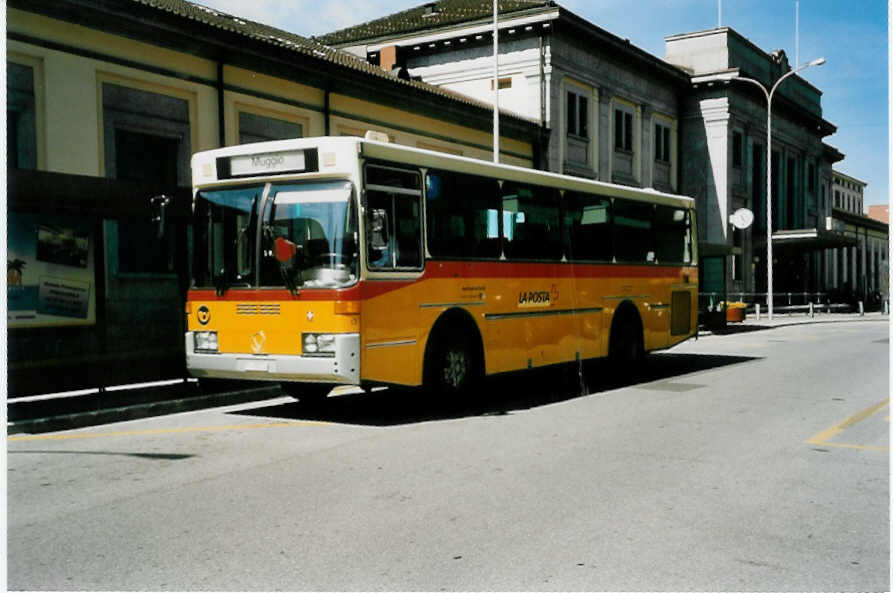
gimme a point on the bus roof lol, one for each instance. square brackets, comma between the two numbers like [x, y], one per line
[204, 168]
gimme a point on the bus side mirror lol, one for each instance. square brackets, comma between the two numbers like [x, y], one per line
[378, 231]
[158, 204]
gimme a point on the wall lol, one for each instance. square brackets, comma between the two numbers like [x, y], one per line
[140, 313]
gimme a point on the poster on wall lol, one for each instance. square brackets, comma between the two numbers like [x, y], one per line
[50, 279]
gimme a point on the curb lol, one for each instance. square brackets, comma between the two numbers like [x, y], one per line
[145, 410]
[755, 326]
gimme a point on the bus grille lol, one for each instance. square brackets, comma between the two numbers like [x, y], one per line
[256, 309]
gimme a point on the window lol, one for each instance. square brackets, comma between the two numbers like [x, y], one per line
[146, 139]
[837, 198]
[623, 129]
[587, 227]
[463, 215]
[531, 222]
[737, 258]
[393, 206]
[661, 143]
[21, 114]
[737, 149]
[224, 231]
[810, 182]
[672, 236]
[259, 128]
[757, 182]
[633, 222]
[577, 114]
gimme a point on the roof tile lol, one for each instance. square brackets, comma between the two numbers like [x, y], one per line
[312, 47]
[426, 16]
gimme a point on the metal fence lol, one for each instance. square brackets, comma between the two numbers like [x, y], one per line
[716, 301]
[786, 302]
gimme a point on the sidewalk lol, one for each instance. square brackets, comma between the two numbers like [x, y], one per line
[751, 323]
[54, 412]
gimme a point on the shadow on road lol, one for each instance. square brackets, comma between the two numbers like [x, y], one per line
[500, 395]
[738, 329]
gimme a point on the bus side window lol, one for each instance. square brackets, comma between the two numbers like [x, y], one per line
[587, 227]
[532, 226]
[633, 231]
[393, 224]
[671, 234]
[379, 231]
[462, 212]
[407, 232]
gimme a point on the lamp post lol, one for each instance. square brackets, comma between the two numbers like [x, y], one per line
[495, 81]
[769, 94]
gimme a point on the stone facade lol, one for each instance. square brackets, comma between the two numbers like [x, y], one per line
[601, 100]
[725, 161]
[859, 271]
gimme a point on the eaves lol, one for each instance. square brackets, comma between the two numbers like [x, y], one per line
[216, 36]
[456, 31]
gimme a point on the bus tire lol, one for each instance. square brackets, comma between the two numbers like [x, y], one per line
[452, 365]
[626, 350]
[307, 393]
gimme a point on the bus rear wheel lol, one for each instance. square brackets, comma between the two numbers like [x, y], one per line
[626, 350]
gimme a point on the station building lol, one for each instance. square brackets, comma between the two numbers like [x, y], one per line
[616, 113]
[106, 102]
[610, 110]
[859, 271]
[725, 156]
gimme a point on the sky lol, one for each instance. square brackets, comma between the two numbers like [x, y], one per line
[851, 35]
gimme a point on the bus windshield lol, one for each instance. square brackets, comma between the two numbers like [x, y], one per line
[306, 236]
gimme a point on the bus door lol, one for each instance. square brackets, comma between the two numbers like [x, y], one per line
[394, 261]
[676, 245]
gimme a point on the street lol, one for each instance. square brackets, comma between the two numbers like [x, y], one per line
[749, 461]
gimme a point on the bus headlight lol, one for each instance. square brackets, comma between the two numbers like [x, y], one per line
[205, 341]
[318, 344]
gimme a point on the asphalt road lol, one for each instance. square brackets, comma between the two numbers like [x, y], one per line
[754, 461]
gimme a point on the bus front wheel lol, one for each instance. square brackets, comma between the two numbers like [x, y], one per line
[451, 367]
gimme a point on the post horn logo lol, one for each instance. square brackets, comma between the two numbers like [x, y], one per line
[257, 342]
[203, 314]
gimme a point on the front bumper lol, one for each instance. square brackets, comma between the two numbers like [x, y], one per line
[343, 368]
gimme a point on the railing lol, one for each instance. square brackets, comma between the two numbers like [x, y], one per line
[782, 302]
[715, 301]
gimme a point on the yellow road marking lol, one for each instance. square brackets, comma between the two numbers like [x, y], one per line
[124, 433]
[823, 437]
[849, 446]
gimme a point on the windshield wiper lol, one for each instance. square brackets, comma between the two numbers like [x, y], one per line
[220, 284]
[288, 277]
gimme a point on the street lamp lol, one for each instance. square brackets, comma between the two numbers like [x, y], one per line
[769, 94]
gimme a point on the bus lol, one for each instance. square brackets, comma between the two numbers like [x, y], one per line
[320, 262]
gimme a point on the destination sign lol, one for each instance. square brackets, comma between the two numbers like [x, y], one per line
[267, 163]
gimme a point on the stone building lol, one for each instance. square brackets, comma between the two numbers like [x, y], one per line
[610, 109]
[880, 212]
[615, 113]
[859, 271]
[848, 193]
[724, 157]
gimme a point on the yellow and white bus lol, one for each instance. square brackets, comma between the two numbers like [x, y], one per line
[347, 261]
